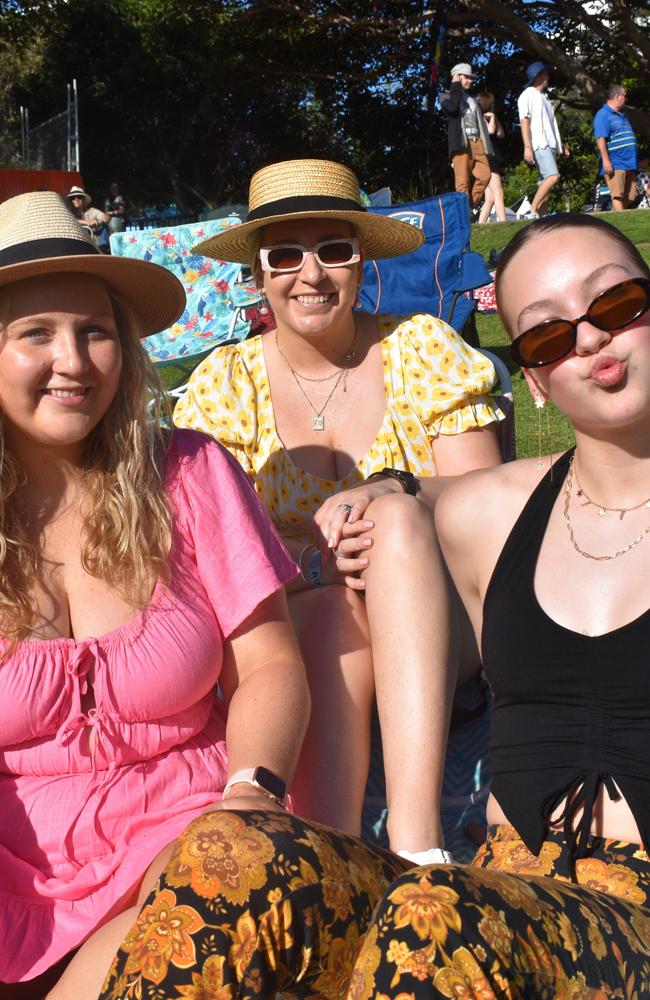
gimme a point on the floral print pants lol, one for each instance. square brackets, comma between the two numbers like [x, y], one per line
[252, 903]
[513, 925]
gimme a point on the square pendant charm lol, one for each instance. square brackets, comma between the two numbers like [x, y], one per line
[319, 422]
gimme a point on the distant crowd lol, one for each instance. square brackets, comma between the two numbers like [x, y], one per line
[476, 149]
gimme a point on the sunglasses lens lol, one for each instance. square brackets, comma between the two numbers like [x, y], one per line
[284, 258]
[620, 305]
[543, 344]
[336, 253]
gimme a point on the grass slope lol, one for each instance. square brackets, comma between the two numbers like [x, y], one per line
[494, 236]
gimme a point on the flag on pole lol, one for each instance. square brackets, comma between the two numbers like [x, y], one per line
[437, 37]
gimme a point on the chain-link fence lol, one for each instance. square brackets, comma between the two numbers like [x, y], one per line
[47, 144]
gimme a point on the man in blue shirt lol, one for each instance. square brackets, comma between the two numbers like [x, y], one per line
[618, 149]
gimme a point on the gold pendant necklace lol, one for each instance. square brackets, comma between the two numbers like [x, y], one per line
[341, 375]
[567, 496]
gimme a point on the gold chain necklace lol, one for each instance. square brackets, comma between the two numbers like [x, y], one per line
[602, 509]
[589, 555]
[341, 375]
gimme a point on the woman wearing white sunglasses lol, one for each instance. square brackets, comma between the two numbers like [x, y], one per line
[348, 425]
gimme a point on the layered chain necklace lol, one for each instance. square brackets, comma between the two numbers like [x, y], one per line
[340, 376]
[586, 501]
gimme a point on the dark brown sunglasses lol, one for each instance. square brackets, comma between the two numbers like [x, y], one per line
[612, 310]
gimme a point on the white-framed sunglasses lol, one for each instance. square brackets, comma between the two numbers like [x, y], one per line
[329, 253]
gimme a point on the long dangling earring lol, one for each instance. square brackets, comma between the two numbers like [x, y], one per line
[265, 308]
[357, 297]
[540, 403]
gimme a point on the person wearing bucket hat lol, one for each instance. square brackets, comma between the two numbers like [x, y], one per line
[79, 201]
[540, 134]
[470, 146]
[348, 425]
[137, 570]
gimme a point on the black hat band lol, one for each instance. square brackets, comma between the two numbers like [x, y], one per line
[304, 203]
[20, 253]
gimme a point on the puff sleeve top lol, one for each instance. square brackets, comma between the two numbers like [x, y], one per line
[434, 383]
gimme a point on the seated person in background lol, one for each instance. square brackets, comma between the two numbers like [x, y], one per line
[643, 180]
[349, 425]
[553, 567]
[115, 208]
[137, 571]
[95, 221]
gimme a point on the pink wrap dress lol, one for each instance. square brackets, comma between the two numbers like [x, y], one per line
[79, 829]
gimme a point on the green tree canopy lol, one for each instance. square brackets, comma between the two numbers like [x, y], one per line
[184, 99]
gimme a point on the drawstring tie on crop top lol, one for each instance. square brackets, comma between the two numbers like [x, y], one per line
[581, 794]
[100, 734]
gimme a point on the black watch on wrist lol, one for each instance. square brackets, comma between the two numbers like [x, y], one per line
[407, 479]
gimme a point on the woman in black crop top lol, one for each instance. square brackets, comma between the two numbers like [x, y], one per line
[552, 559]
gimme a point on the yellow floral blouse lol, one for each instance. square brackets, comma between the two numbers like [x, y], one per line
[435, 384]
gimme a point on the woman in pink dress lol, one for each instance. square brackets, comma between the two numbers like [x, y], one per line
[139, 575]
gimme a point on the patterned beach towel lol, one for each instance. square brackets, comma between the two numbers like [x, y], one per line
[212, 314]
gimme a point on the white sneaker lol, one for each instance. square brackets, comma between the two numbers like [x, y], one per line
[531, 215]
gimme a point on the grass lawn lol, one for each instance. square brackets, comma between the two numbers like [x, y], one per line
[493, 236]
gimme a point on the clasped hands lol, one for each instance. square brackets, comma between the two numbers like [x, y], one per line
[344, 534]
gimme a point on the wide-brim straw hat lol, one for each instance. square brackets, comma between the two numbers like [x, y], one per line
[39, 235]
[78, 192]
[310, 189]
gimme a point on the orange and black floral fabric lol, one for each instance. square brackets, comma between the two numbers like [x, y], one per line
[252, 903]
[513, 925]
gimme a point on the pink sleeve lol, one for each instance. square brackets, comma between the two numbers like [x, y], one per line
[239, 557]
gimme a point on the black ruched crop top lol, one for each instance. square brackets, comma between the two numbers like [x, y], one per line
[571, 712]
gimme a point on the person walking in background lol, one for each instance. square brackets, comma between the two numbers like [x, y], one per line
[617, 146]
[494, 190]
[469, 141]
[540, 134]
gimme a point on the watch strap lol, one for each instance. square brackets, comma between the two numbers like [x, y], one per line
[407, 480]
[252, 776]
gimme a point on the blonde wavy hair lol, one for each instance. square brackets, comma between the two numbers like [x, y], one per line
[127, 530]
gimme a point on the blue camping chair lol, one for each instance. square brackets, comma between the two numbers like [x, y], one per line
[439, 277]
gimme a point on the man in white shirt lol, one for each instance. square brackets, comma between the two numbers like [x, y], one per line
[541, 135]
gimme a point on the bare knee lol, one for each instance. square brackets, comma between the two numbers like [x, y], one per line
[401, 521]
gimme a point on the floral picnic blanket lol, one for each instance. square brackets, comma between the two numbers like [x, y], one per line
[214, 297]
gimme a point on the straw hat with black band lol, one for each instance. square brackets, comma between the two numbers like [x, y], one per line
[310, 189]
[39, 235]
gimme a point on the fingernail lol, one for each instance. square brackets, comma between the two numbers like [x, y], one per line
[363, 561]
[331, 542]
[366, 542]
